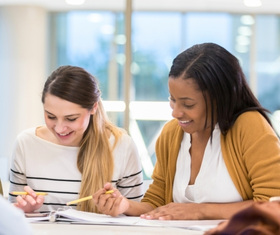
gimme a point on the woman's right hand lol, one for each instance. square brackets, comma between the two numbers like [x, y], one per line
[29, 202]
[112, 204]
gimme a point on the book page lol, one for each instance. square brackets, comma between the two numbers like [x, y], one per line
[94, 218]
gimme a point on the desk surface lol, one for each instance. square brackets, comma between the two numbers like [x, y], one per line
[71, 229]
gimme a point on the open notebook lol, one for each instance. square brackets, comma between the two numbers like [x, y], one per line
[80, 217]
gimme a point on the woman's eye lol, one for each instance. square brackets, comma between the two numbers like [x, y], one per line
[51, 118]
[71, 119]
[188, 106]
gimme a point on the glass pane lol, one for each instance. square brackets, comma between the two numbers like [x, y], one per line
[154, 47]
[94, 41]
[87, 39]
[268, 61]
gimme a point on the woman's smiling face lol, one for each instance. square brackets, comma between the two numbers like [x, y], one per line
[66, 120]
[188, 105]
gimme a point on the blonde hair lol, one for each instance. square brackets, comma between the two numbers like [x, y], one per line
[95, 158]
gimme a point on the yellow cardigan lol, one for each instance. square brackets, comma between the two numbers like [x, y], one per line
[251, 152]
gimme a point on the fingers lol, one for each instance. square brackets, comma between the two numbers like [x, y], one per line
[159, 213]
[97, 195]
[29, 202]
[108, 203]
[21, 202]
[103, 201]
[106, 207]
[108, 186]
[113, 206]
[30, 191]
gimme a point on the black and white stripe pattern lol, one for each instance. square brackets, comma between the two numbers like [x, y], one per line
[51, 168]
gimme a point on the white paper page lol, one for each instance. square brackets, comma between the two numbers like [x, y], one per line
[93, 218]
[82, 216]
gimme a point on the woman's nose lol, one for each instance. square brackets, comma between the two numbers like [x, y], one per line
[177, 111]
[60, 127]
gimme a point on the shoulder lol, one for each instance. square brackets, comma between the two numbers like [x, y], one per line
[253, 121]
[124, 138]
[124, 143]
[27, 133]
[30, 138]
[253, 117]
[250, 127]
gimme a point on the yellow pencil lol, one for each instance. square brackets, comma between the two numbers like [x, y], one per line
[25, 193]
[109, 191]
[85, 198]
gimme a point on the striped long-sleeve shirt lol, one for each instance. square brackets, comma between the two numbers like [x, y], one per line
[52, 168]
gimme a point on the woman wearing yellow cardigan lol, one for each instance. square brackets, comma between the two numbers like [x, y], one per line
[218, 155]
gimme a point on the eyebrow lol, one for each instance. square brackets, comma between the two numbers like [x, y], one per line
[184, 98]
[70, 115]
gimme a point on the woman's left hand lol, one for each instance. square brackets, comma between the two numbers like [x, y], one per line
[174, 211]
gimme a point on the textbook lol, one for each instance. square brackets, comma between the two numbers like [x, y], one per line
[73, 216]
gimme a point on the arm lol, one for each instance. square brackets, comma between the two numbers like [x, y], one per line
[196, 211]
[18, 182]
[251, 152]
[17, 172]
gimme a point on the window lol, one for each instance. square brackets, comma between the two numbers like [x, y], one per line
[95, 41]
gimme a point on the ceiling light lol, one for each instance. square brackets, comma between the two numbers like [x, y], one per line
[247, 20]
[75, 2]
[252, 3]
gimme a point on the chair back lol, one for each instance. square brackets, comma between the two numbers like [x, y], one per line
[1, 189]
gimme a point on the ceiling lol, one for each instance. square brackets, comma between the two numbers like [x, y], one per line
[233, 6]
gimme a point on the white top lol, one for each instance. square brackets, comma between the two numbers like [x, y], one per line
[52, 168]
[213, 182]
[12, 219]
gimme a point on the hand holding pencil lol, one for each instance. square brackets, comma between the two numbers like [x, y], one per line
[113, 204]
[86, 198]
[29, 200]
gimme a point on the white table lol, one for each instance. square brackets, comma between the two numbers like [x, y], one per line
[71, 229]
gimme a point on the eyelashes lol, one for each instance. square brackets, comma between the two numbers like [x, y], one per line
[68, 119]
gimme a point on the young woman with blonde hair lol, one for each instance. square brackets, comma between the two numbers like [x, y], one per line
[76, 152]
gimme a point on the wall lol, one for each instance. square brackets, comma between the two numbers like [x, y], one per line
[23, 39]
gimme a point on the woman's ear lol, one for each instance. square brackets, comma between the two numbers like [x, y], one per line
[95, 106]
